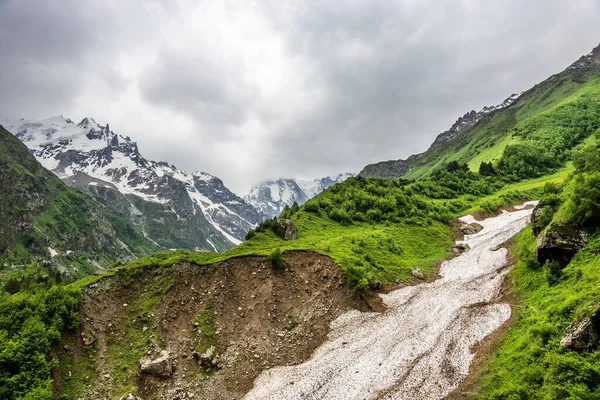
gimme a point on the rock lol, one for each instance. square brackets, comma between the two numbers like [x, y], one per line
[560, 244]
[416, 272]
[161, 366]
[88, 340]
[207, 359]
[583, 335]
[375, 285]
[467, 230]
[478, 228]
[535, 220]
[459, 248]
[471, 229]
[130, 397]
[287, 229]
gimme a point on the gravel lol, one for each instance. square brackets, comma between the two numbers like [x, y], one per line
[420, 347]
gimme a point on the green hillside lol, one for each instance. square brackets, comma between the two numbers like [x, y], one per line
[530, 362]
[553, 116]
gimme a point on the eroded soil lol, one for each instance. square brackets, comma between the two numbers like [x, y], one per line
[263, 317]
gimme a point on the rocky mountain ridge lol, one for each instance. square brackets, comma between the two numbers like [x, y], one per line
[585, 68]
[41, 218]
[396, 168]
[172, 207]
[270, 197]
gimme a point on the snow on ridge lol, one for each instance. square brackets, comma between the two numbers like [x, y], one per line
[271, 196]
[104, 155]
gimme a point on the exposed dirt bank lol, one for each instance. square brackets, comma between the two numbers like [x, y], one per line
[255, 317]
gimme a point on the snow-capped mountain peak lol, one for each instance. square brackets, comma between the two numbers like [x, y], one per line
[93, 153]
[270, 197]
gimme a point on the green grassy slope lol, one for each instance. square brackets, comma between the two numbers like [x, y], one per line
[525, 121]
[529, 362]
[485, 141]
[39, 212]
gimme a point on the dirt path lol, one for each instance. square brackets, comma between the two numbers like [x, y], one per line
[420, 347]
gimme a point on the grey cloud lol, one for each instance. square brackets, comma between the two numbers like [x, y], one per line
[195, 85]
[367, 80]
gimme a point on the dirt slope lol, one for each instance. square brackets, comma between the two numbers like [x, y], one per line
[254, 316]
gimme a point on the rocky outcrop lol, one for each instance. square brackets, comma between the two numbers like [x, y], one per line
[560, 244]
[583, 334]
[471, 229]
[160, 366]
[535, 220]
[287, 229]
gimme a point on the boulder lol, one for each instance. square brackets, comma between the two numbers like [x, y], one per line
[583, 334]
[209, 358]
[535, 220]
[130, 397]
[416, 272]
[471, 229]
[375, 285]
[560, 244]
[287, 229]
[160, 366]
[459, 248]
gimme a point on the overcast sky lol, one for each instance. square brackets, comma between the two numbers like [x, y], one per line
[251, 90]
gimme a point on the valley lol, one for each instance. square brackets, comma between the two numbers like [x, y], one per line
[131, 279]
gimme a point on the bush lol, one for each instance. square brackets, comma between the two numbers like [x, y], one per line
[585, 200]
[29, 325]
[552, 271]
[340, 216]
[530, 260]
[276, 258]
[311, 206]
[486, 169]
[251, 233]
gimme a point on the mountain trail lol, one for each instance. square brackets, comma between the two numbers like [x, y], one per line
[420, 347]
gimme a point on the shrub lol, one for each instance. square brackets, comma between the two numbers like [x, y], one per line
[585, 210]
[311, 206]
[276, 258]
[530, 260]
[552, 271]
[340, 216]
[486, 169]
[251, 233]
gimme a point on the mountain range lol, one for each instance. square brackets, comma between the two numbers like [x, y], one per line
[270, 197]
[173, 208]
[482, 136]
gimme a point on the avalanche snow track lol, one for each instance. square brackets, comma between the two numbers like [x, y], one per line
[420, 347]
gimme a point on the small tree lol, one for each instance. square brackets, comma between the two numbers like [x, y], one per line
[276, 258]
[486, 169]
